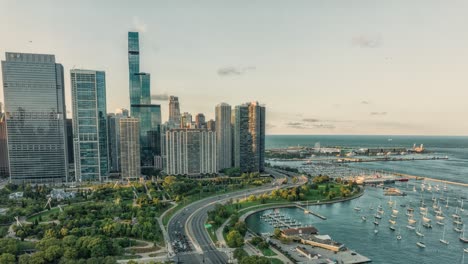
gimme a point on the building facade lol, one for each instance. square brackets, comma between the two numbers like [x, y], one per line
[90, 125]
[140, 100]
[33, 87]
[223, 135]
[130, 148]
[190, 152]
[4, 167]
[174, 112]
[200, 122]
[249, 137]
[113, 135]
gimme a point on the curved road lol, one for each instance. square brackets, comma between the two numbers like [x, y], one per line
[190, 223]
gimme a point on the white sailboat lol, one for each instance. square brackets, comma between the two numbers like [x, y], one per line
[426, 219]
[421, 244]
[463, 238]
[418, 231]
[447, 205]
[442, 240]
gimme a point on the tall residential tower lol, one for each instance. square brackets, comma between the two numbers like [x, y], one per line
[141, 108]
[249, 137]
[223, 135]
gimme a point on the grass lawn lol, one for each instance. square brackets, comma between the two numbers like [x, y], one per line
[45, 215]
[268, 252]
[275, 261]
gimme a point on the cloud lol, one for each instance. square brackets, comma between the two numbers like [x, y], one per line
[231, 71]
[139, 25]
[365, 102]
[310, 120]
[308, 125]
[269, 126]
[367, 41]
[160, 97]
[378, 113]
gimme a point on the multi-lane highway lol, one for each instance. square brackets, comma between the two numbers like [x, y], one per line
[191, 241]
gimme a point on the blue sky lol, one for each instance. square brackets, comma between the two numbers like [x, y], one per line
[320, 67]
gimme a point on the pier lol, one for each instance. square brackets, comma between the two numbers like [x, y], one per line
[308, 211]
[351, 160]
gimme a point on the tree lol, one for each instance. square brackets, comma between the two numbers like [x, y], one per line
[255, 260]
[234, 239]
[239, 254]
[277, 233]
[7, 258]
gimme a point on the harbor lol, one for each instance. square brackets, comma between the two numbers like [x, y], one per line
[344, 223]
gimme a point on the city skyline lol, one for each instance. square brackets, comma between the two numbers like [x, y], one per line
[377, 76]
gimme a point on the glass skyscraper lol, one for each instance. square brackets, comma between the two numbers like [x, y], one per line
[35, 115]
[249, 137]
[140, 101]
[90, 125]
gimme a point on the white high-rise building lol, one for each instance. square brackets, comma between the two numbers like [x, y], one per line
[190, 152]
[223, 136]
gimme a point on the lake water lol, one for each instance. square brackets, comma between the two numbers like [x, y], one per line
[345, 225]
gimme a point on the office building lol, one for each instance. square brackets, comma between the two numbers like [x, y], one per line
[113, 135]
[90, 125]
[4, 170]
[70, 154]
[33, 90]
[190, 152]
[130, 148]
[174, 112]
[200, 121]
[249, 137]
[186, 120]
[140, 100]
[223, 135]
[211, 125]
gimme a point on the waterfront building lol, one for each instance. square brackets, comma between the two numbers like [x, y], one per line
[200, 121]
[211, 125]
[130, 148]
[190, 152]
[33, 87]
[174, 112]
[249, 137]
[4, 170]
[90, 125]
[140, 100]
[223, 135]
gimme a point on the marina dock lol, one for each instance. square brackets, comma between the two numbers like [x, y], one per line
[279, 220]
[308, 211]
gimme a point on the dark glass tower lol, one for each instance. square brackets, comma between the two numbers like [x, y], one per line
[140, 101]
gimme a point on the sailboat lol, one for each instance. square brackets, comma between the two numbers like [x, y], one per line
[357, 208]
[458, 229]
[446, 205]
[461, 206]
[410, 227]
[442, 240]
[456, 215]
[463, 238]
[465, 250]
[393, 222]
[426, 219]
[418, 231]
[364, 218]
[421, 244]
